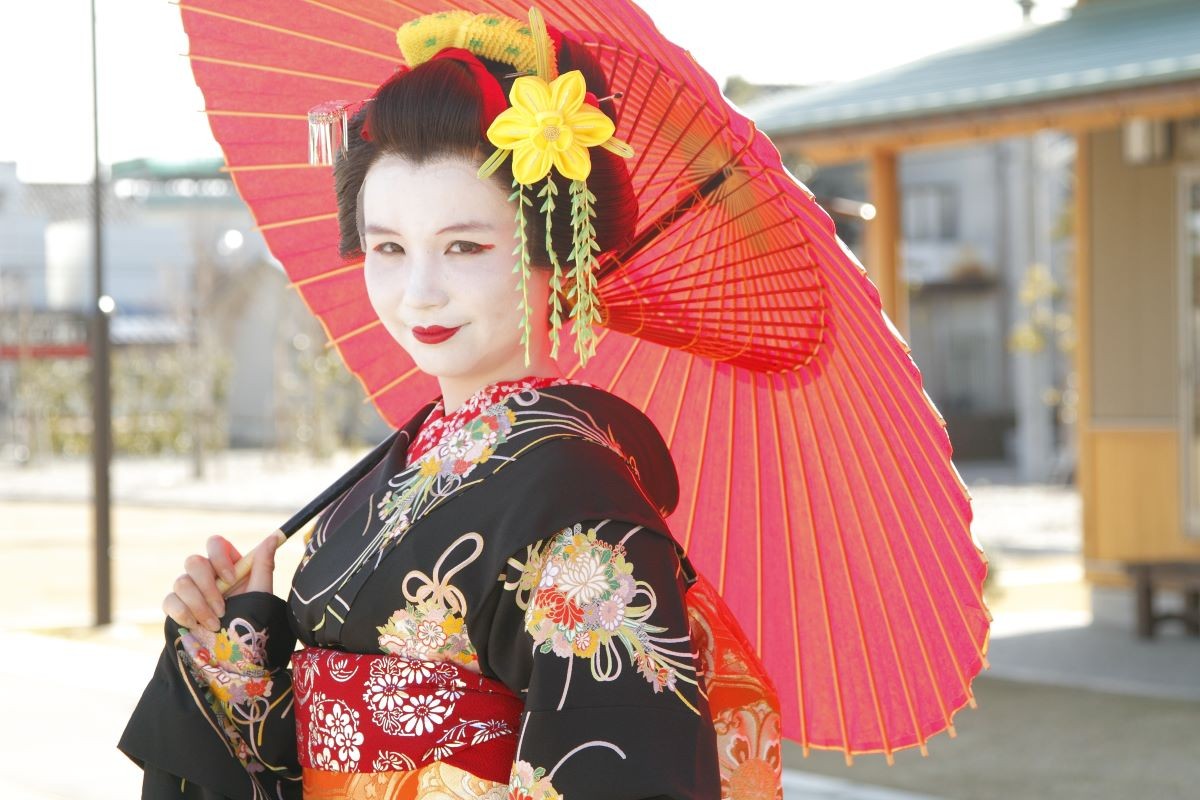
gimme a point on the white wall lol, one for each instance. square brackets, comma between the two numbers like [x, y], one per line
[142, 264]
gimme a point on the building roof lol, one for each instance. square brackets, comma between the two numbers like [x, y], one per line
[56, 202]
[162, 170]
[1102, 46]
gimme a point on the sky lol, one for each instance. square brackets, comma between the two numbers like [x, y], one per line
[150, 107]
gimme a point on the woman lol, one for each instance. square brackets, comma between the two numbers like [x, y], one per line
[498, 608]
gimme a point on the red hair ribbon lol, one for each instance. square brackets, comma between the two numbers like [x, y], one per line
[490, 92]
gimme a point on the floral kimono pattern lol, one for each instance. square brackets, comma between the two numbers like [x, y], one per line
[523, 544]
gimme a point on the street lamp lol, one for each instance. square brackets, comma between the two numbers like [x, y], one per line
[103, 306]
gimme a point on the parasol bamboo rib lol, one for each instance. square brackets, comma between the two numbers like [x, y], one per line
[907, 420]
[897, 657]
[728, 485]
[704, 432]
[791, 571]
[760, 232]
[219, 112]
[668, 332]
[384, 26]
[858, 526]
[709, 228]
[662, 362]
[782, 270]
[676, 277]
[831, 463]
[758, 520]
[356, 332]
[226, 62]
[654, 132]
[395, 382]
[297, 221]
[267, 167]
[388, 57]
[670, 437]
[729, 427]
[331, 273]
[882, 381]
[819, 563]
[635, 124]
[906, 417]
[613, 308]
[664, 158]
[945, 576]
[862, 431]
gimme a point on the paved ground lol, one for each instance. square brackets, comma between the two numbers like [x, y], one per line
[1028, 740]
[1067, 710]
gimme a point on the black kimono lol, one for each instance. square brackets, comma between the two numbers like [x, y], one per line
[527, 546]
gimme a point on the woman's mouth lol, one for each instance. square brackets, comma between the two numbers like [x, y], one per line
[433, 334]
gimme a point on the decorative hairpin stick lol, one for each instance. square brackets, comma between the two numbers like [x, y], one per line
[328, 130]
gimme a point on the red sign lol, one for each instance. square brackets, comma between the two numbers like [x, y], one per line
[43, 334]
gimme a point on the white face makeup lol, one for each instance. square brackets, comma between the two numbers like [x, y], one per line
[439, 273]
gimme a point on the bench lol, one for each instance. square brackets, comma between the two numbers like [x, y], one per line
[1151, 576]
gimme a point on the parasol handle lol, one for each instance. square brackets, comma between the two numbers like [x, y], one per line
[298, 520]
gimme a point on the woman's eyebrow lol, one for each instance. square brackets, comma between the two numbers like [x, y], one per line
[465, 226]
[456, 228]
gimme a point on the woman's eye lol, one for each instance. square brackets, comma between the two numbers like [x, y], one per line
[468, 248]
[389, 248]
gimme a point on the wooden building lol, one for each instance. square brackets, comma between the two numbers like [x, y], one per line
[1123, 78]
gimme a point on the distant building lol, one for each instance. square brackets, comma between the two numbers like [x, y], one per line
[173, 232]
[973, 219]
[1113, 90]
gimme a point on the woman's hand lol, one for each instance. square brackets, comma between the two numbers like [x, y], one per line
[196, 600]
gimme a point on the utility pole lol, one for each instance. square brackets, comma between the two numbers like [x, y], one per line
[102, 306]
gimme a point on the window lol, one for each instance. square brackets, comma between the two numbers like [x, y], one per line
[930, 212]
[1189, 335]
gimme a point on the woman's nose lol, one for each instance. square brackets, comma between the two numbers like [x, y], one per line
[424, 287]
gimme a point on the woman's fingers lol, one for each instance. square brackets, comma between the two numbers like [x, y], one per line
[205, 578]
[263, 567]
[197, 600]
[187, 604]
[175, 608]
[223, 556]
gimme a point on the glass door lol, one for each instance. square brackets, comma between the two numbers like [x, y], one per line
[1189, 350]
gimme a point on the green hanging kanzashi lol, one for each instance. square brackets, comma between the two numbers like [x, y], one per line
[522, 265]
[585, 311]
[549, 191]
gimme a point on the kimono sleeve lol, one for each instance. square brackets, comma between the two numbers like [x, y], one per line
[614, 708]
[216, 719]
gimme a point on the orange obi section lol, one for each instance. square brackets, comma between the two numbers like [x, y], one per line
[741, 698]
[435, 780]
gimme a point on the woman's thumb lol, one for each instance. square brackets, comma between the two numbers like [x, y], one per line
[262, 569]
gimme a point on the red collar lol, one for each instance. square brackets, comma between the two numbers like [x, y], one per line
[439, 424]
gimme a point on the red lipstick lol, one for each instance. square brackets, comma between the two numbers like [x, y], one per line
[433, 334]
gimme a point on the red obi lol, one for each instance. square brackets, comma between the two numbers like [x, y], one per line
[359, 712]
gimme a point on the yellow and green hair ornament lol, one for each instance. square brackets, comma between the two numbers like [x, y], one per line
[547, 125]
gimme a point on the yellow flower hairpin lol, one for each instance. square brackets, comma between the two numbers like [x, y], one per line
[549, 125]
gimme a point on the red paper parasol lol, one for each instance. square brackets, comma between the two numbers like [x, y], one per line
[817, 491]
